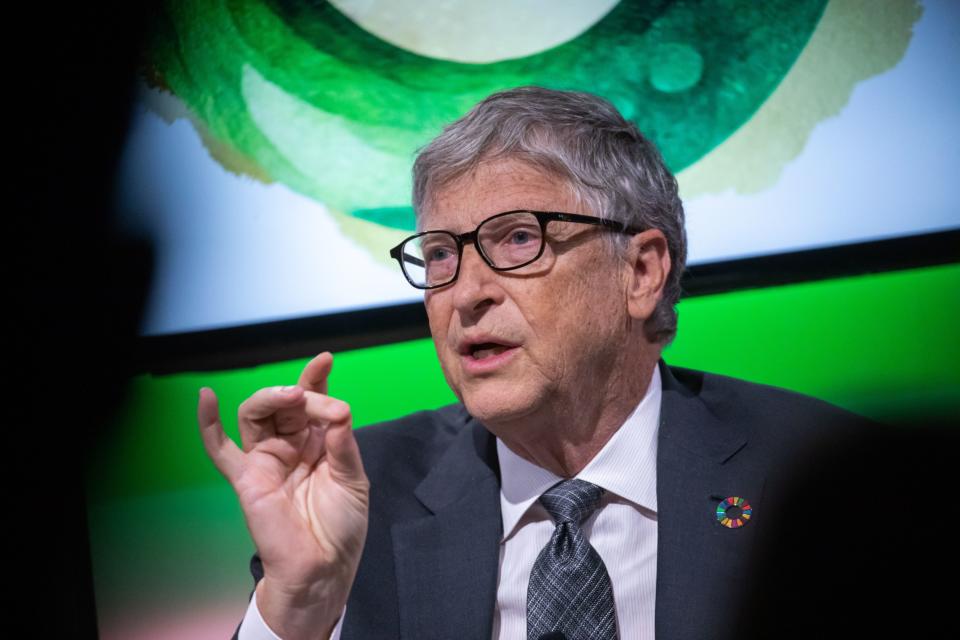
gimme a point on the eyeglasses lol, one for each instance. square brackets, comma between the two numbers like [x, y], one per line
[506, 241]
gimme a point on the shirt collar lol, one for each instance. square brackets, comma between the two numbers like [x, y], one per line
[626, 465]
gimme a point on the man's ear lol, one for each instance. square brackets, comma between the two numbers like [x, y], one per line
[648, 266]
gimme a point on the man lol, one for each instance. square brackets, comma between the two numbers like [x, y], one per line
[582, 488]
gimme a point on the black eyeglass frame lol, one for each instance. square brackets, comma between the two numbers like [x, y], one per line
[543, 217]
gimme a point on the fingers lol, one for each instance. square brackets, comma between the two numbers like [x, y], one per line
[313, 450]
[285, 411]
[342, 452]
[265, 412]
[281, 411]
[315, 374]
[266, 402]
[224, 453]
[316, 409]
[321, 409]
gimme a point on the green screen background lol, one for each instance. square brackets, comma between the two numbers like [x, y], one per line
[169, 546]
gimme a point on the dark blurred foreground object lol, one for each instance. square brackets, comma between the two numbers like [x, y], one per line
[76, 294]
[863, 543]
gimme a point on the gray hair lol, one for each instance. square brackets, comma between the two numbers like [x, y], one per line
[582, 139]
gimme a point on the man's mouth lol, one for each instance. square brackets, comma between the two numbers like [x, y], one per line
[484, 354]
[486, 350]
[483, 347]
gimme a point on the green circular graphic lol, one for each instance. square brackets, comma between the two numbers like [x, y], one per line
[675, 67]
[295, 92]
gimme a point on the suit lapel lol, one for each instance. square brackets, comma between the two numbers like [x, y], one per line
[447, 562]
[701, 460]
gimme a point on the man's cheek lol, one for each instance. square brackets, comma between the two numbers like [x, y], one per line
[450, 366]
[543, 361]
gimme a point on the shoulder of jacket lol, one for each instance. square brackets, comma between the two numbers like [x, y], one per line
[723, 390]
[768, 409]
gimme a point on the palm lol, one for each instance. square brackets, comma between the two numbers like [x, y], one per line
[292, 501]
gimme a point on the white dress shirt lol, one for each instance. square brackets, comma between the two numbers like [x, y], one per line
[623, 529]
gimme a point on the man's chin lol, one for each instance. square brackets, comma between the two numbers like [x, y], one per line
[493, 405]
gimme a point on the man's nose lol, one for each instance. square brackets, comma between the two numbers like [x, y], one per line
[477, 286]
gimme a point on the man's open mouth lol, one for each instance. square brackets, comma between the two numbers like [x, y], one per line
[487, 349]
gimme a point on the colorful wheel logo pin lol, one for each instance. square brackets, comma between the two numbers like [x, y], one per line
[734, 512]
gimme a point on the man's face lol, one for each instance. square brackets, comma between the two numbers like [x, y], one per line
[511, 343]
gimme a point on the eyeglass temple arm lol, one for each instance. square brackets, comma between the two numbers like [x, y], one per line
[397, 254]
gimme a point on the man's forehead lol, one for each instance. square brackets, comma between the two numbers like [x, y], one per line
[493, 187]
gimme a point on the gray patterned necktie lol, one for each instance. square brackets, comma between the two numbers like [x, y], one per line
[569, 591]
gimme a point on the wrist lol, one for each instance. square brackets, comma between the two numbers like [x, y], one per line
[300, 614]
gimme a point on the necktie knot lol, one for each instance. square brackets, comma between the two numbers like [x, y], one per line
[571, 501]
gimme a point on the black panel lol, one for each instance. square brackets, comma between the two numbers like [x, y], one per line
[288, 339]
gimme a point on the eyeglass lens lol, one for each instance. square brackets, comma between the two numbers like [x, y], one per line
[507, 241]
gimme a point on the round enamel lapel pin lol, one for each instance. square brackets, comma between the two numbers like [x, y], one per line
[734, 512]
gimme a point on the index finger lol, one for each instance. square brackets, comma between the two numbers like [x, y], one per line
[315, 374]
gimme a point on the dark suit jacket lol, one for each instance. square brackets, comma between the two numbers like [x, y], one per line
[429, 567]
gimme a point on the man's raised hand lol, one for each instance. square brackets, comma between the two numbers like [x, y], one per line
[303, 492]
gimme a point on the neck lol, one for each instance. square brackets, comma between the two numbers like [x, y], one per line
[566, 434]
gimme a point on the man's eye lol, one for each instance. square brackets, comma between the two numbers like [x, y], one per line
[438, 254]
[520, 237]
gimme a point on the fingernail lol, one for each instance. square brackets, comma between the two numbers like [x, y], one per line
[288, 389]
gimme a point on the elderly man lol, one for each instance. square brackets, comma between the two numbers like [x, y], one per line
[581, 488]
